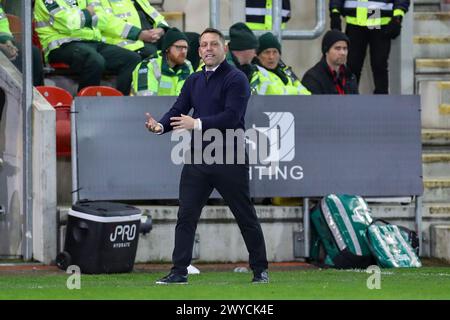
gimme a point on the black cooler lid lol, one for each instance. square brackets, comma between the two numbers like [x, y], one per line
[105, 209]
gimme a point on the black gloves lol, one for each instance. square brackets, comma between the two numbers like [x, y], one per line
[335, 22]
[393, 29]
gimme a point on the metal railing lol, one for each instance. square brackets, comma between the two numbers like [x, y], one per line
[27, 97]
[319, 28]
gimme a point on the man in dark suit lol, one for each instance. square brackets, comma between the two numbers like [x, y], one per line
[219, 95]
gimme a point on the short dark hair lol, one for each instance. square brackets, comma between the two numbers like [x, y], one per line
[213, 30]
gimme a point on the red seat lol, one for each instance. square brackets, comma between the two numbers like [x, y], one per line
[95, 91]
[35, 37]
[15, 25]
[63, 135]
[61, 100]
[59, 65]
[56, 96]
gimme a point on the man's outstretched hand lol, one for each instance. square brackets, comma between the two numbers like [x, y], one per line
[152, 125]
[183, 122]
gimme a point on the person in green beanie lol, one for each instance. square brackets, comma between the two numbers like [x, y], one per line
[284, 80]
[242, 53]
[242, 48]
[165, 73]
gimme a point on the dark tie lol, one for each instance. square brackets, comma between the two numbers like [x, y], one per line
[208, 74]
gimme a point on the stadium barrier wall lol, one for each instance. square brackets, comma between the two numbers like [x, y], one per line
[366, 145]
[11, 171]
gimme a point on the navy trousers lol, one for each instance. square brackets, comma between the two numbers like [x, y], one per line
[196, 185]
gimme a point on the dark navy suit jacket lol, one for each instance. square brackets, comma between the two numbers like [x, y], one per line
[220, 102]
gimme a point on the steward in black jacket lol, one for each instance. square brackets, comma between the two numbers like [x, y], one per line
[372, 24]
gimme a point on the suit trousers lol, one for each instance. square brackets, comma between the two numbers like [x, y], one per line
[380, 48]
[232, 182]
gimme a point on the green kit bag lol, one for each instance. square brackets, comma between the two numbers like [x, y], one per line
[339, 226]
[392, 246]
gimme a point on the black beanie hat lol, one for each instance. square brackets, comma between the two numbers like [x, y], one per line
[242, 38]
[268, 40]
[331, 37]
[172, 35]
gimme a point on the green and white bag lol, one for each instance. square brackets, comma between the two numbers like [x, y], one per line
[339, 226]
[391, 246]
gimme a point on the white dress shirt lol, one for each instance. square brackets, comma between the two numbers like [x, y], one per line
[198, 122]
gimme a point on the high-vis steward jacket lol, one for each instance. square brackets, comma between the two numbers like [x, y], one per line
[64, 21]
[258, 14]
[371, 13]
[289, 85]
[267, 83]
[5, 32]
[257, 76]
[264, 82]
[154, 77]
[122, 24]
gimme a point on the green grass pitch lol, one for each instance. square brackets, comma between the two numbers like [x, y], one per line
[311, 284]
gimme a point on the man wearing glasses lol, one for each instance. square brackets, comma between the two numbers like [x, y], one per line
[164, 75]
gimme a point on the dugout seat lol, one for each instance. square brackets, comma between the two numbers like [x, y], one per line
[61, 100]
[15, 26]
[97, 91]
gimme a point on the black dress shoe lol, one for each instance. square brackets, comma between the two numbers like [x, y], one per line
[261, 277]
[173, 278]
